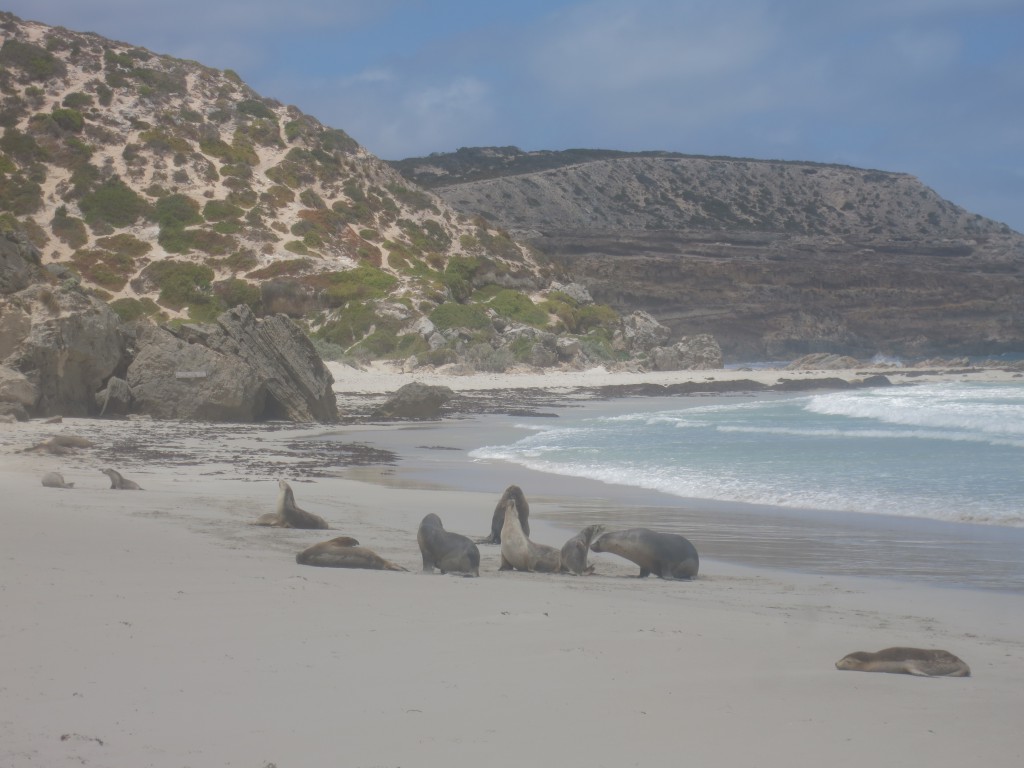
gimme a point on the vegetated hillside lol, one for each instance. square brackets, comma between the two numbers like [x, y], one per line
[773, 258]
[173, 190]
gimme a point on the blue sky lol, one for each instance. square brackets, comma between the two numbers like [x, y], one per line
[934, 88]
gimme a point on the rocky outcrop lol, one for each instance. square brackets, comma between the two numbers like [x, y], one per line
[691, 353]
[298, 384]
[19, 262]
[173, 379]
[65, 343]
[237, 369]
[415, 401]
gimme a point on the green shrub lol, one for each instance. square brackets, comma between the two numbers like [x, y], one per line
[452, 315]
[68, 119]
[110, 270]
[37, 63]
[20, 196]
[177, 211]
[77, 100]
[133, 309]
[181, 283]
[126, 244]
[311, 199]
[350, 325]
[254, 108]
[219, 210]
[518, 306]
[21, 147]
[114, 203]
[104, 94]
[69, 229]
[359, 284]
[595, 316]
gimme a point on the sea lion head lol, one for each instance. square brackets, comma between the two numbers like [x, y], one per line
[855, 660]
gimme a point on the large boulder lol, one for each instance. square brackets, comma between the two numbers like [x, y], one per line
[415, 401]
[65, 343]
[299, 386]
[172, 379]
[691, 353]
[640, 332]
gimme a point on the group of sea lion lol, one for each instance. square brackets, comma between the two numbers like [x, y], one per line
[667, 555]
[117, 481]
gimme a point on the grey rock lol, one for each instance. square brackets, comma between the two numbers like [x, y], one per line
[115, 399]
[65, 343]
[415, 401]
[691, 353]
[173, 379]
[640, 332]
[19, 262]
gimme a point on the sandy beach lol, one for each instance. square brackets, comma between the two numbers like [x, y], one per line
[161, 628]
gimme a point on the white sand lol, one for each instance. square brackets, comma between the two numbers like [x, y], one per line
[159, 628]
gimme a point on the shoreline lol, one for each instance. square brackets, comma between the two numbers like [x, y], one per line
[162, 628]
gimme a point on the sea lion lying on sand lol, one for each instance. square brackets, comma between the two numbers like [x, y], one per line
[667, 555]
[56, 480]
[288, 514]
[451, 552]
[906, 661]
[342, 553]
[515, 493]
[60, 445]
[119, 483]
[574, 551]
[518, 552]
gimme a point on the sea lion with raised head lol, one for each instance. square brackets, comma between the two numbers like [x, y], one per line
[574, 551]
[341, 552]
[288, 514]
[515, 493]
[450, 552]
[922, 662]
[56, 480]
[517, 551]
[120, 483]
[667, 555]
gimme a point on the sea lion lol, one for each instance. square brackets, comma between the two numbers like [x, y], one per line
[288, 514]
[117, 482]
[922, 662]
[342, 553]
[446, 550]
[517, 551]
[56, 480]
[574, 551]
[515, 493]
[667, 555]
[59, 445]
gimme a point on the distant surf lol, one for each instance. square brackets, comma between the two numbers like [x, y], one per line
[945, 451]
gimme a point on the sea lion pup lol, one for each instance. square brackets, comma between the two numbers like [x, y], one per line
[56, 480]
[342, 553]
[518, 552]
[667, 555]
[906, 661]
[574, 551]
[515, 493]
[117, 482]
[288, 514]
[450, 552]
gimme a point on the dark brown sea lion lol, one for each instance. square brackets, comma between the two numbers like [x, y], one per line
[342, 553]
[922, 662]
[117, 482]
[515, 493]
[575, 550]
[667, 555]
[56, 480]
[450, 552]
[288, 514]
[518, 552]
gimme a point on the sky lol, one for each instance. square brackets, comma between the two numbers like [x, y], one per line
[933, 88]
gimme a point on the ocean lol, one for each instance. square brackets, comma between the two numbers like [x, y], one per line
[922, 482]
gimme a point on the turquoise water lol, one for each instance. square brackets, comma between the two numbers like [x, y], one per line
[951, 452]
